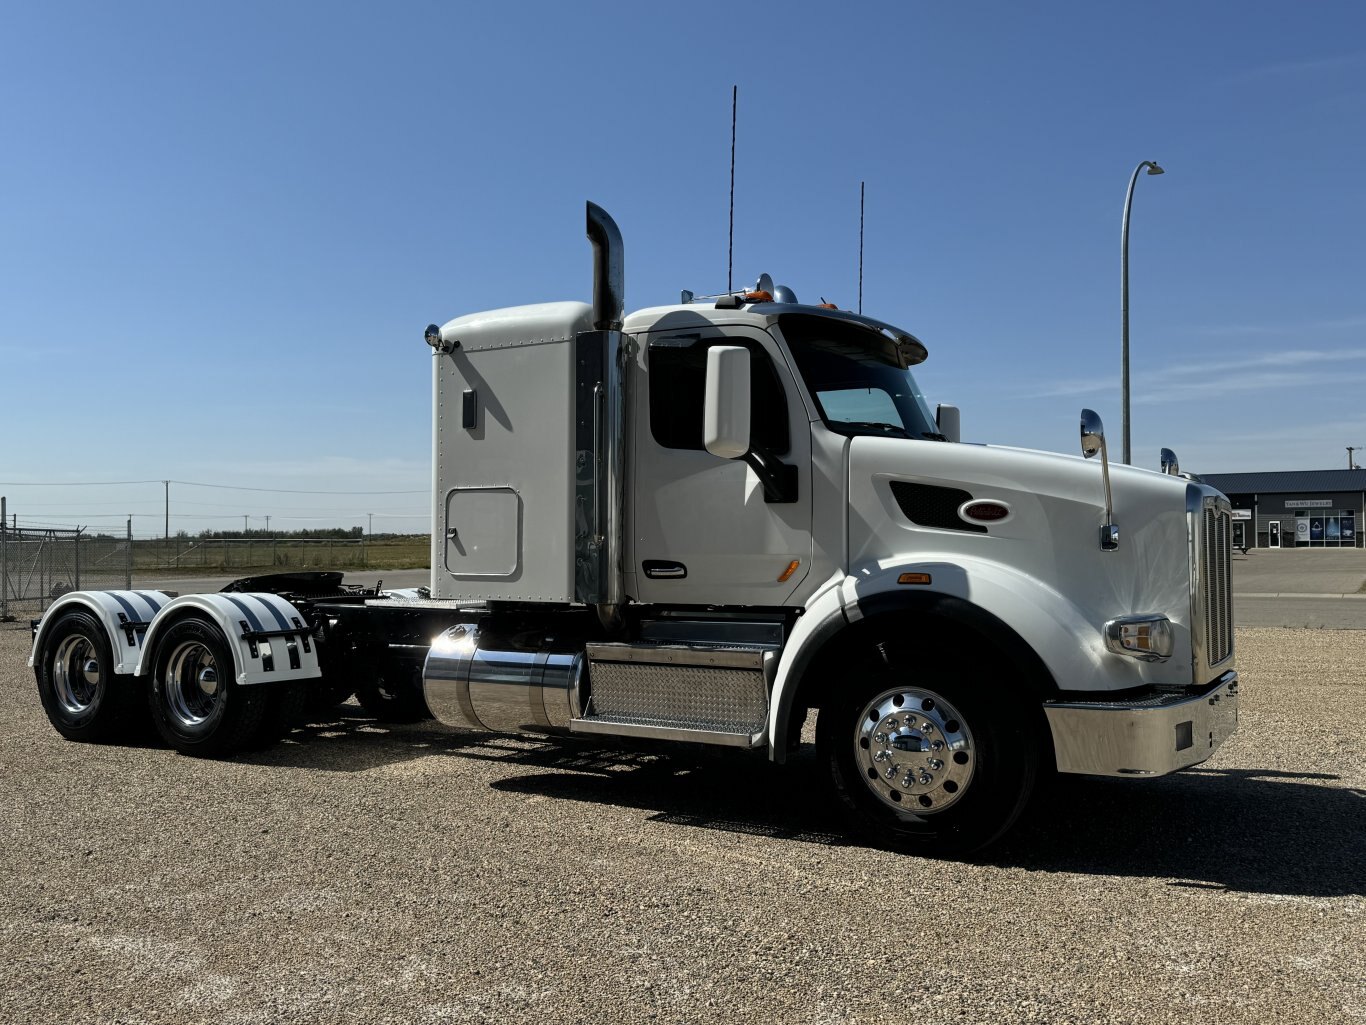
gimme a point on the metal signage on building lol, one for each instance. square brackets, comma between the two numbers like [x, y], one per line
[1242, 514]
[1309, 503]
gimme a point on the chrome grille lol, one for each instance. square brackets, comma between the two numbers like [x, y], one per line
[1216, 583]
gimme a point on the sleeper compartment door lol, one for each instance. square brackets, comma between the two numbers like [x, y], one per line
[483, 532]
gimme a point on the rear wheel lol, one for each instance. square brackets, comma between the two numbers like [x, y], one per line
[82, 697]
[392, 691]
[197, 704]
[929, 762]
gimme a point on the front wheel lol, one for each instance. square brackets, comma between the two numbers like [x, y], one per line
[197, 704]
[927, 763]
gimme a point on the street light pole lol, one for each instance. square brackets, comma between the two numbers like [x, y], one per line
[1124, 299]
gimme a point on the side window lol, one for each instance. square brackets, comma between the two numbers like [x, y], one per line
[678, 380]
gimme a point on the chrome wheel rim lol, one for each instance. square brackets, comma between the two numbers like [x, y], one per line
[191, 684]
[914, 751]
[76, 674]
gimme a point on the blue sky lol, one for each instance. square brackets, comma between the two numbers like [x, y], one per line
[226, 226]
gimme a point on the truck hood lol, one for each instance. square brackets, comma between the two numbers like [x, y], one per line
[905, 494]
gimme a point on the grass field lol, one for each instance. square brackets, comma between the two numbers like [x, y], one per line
[192, 555]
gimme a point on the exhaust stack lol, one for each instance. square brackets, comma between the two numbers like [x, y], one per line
[609, 273]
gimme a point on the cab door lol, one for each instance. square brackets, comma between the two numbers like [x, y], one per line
[703, 533]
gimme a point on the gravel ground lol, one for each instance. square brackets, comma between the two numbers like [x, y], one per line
[371, 874]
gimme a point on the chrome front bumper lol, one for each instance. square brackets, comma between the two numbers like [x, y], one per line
[1151, 736]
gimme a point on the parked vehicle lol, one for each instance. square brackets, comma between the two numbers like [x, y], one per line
[700, 523]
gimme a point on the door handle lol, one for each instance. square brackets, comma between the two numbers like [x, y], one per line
[657, 569]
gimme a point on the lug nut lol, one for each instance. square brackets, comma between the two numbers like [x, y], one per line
[926, 779]
[934, 763]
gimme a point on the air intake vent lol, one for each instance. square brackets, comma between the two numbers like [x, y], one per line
[931, 506]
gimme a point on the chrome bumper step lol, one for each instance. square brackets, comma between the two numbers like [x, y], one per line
[1151, 736]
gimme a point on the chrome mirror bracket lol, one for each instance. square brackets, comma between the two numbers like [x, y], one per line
[1093, 441]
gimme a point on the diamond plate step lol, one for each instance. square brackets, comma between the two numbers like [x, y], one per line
[694, 693]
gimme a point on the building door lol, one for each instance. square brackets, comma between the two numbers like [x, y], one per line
[1273, 534]
[1240, 536]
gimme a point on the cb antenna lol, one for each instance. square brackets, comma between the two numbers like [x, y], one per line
[730, 246]
[860, 248]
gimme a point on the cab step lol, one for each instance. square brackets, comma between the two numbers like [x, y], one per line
[702, 694]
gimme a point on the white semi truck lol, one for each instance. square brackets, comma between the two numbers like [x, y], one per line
[700, 523]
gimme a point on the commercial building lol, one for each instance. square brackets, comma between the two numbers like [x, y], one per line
[1295, 508]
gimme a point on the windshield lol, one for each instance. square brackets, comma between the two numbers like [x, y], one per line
[859, 377]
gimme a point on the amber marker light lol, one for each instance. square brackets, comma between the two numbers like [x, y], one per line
[913, 578]
[791, 568]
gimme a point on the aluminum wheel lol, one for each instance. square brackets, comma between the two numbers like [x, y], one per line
[76, 674]
[191, 684]
[915, 750]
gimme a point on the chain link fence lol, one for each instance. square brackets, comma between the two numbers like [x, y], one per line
[250, 553]
[40, 564]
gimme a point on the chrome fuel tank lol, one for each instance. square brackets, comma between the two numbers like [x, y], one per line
[506, 687]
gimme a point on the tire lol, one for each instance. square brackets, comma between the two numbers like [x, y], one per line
[197, 705]
[392, 693]
[323, 699]
[927, 762]
[286, 708]
[82, 697]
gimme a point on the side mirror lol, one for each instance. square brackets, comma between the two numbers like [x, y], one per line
[1092, 433]
[1169, 463]
[949, 421]
[725, 415]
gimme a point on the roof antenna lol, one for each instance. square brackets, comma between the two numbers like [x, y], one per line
[730, 246]
[860, 248]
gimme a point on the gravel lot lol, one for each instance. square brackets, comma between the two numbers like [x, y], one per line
[369, 874]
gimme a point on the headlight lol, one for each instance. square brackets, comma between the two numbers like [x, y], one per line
[1145, 637]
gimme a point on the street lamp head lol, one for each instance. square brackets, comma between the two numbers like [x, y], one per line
[1154, 169]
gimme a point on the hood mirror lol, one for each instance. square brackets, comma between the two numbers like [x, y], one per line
[1092, 433]
[1170, 466]
[1093, 441]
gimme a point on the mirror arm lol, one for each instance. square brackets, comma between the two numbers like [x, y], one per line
[778, 478]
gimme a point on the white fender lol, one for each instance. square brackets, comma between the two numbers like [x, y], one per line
[824, 617]
[124, 615]
[1060, 632]
[291, 654]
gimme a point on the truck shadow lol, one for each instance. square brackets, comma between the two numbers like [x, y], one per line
[1242, 830]
[1251, 831]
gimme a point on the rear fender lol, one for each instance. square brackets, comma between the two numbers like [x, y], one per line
[125, 616]
[270, 640]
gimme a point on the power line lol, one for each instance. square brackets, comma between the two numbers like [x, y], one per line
[193, 484]
[292, 491]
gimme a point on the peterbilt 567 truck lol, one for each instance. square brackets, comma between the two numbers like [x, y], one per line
[701, 523]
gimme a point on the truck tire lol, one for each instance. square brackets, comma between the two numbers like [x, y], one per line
[82, 697]
[197, 705]
[323, 699]
[924, 761]
[392, 693]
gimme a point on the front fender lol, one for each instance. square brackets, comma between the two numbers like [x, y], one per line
[123, 614]
[823, 619]
[1062, 634]
[270, 639]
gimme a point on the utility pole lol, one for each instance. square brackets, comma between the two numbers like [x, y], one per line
[244, 524]
[371, 531]
[267, 523]
[167, 485]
